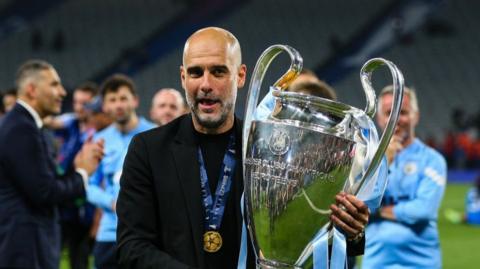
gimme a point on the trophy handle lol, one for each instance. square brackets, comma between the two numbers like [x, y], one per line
[398, 84]
[257, 77]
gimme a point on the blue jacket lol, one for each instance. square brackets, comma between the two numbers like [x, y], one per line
[30, 192]
[104, 183]
[417, 179]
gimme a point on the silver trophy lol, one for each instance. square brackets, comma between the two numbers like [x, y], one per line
[300, 155]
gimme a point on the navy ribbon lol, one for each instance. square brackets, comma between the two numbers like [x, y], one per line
[214, 209]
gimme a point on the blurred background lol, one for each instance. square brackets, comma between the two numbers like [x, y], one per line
[435, 43]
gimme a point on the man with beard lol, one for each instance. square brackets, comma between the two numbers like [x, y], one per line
[171, 173]
[403, 233]
[120, 102]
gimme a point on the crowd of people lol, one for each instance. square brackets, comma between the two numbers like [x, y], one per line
[141, 194]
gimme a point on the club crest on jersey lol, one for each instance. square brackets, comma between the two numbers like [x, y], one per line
[410, 168]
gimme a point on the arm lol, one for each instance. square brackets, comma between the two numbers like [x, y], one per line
[58, 122]
[96, 194]
[34, 172]
[138, 234]
[428, 196]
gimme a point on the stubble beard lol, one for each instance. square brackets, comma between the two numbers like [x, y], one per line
[209, 121]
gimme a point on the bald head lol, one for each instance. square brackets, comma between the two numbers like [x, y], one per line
[211, 74]
[167, 105]
[205, 38]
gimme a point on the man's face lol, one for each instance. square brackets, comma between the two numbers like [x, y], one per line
[80, 98]
[120, 105]
[407, 120]
[49, 93]
[211, 77]
[9, 101]
[165, 108]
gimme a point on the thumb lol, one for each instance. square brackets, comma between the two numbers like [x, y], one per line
[101, 142]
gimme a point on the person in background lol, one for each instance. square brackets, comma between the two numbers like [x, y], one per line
[97, 119]
[71, 132]
[403, 232]
[9, 99]
[119, 101]
[30, 188]
[167, 105]
[171, 172]
[318, 88]
[2, 108]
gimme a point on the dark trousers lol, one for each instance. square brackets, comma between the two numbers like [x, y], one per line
[105, 255]
[77, 240]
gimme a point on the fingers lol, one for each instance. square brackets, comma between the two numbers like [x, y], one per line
[95, 149]
[350, 214]
[339, 219]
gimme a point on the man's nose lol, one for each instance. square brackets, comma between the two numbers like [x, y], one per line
[62, 91]
[206, 85]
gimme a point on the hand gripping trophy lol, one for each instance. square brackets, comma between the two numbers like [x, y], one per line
[300, 156]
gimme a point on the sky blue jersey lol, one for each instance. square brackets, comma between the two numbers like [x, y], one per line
[416, 183]
[104, 184]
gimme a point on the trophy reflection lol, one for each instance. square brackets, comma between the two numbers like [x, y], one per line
[299, 156]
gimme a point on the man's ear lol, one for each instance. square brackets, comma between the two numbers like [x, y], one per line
[136, 100]
[241, 76]
[182, 76]
[30, 91]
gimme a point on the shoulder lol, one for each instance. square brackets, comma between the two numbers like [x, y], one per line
[430, 154]
[162, 133]
[146, 124]
[108, 132]
[16, 121]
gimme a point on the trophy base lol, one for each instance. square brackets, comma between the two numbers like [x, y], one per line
[266, 264]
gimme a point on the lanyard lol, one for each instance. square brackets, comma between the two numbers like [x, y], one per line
[214, 209]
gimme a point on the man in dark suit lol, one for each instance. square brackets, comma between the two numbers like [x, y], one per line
[30, 190]
[164, 209]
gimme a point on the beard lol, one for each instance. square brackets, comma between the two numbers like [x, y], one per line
[210, 120]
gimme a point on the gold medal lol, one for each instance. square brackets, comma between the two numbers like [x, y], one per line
[212, 241]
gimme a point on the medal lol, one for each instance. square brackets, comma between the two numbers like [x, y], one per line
[212, 241]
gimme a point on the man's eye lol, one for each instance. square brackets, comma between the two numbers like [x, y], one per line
[195, 72]
[218, 72]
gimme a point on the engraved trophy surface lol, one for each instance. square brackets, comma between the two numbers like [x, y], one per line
[299, 156]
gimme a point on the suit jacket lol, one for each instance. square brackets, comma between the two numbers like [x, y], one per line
[30, 191]
[160, 210]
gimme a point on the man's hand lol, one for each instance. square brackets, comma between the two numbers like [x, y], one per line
[350, 214]
[89, 156]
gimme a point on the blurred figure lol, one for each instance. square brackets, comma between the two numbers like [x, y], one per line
[306, 76]
[120, 101]
[71, 132]
[318, 88]
[9, 99]
[97, 119]
[2, 108]
[30, 188]
[403, 233]
[71, 128]
[167, 105]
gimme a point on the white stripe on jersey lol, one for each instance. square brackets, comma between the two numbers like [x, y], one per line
[435, 176]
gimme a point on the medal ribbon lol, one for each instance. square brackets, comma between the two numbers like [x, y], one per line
[320, 249]
[214, 209]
